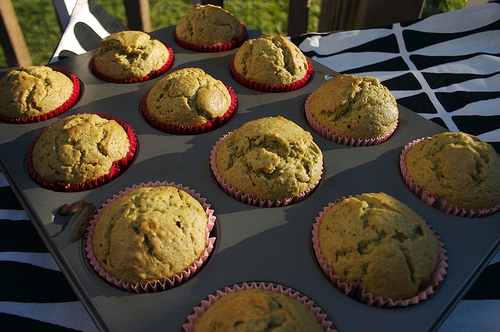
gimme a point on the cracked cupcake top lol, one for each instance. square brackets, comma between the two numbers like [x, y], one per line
[458, 167]
[270, 60]
[381, 242]
[79, 148]
[208, 25]
[272, 158]
[130, 54]
[149, 234]
[32, 91]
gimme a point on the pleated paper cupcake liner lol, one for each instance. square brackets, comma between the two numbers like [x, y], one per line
[236, 42]
[357, 290]
[166, 283]
[117, 168]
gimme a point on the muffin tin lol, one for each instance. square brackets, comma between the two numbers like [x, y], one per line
[253, 244]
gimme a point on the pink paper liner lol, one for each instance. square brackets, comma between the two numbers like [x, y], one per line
[72, 100]
[159, 285]
[236, 42]
[253, 199]
[271, 87]
[151, 75]
[357, 290]
[436, 201]
[323, 319]
[337, 138]
[191, 130]
[117, 168]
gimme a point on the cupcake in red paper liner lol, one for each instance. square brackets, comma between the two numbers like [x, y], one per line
[258, 307]
[209, 28]
[378, 251]
[131, 57]
[267, 162]
[188, 101]
[353, 110]
[81, 152]
[151, 237]
[37, 93]
[271, 64]
[456, 173]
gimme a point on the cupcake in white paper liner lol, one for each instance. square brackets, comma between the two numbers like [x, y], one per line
[324, 321]
[357, 290]
[434, 200]
[250, 198]
[162, 283]
[337, 138]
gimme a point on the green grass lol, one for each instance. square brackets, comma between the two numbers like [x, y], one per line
[39, 21]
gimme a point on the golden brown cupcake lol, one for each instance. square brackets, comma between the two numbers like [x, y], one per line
[209, 28]
[457, 167]
[131, 56]
[382, 243]
[188, 97]
[257, 310]
[150, 233]
[271, 158]
[353, 107]
[37, 93]
[271, 63]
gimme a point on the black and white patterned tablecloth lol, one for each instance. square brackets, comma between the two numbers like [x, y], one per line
[445, 67]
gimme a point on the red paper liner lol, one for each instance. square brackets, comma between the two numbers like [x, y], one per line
[271, 87]
[337, 138]
[195, 129]
[357, 290]
[436, 201]
[159, 285]
[323, 319]
[151, 75]
[248, 198]
[117, 168]
[72, 100]
[236, 42]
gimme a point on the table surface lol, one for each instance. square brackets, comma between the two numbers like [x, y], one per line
[444, 67]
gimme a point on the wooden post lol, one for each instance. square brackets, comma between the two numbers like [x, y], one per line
[11, 36]
[138, 16]
[298, 17]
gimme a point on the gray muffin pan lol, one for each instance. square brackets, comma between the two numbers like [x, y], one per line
[253, 244]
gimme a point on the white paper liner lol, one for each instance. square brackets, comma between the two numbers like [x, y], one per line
[358, 291]
[248, 198]
[323, 319]
[159, 285]
[337, 138]
[436, 201]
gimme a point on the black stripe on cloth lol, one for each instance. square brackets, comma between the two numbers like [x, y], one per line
[33, 284]
[420, 103]
[16, 323]
[439, 80]
[415, 40]
[395, 64]
[422, 62]
[20, 235]
[9, 200]
[86, 36]
[453, 101]
[486, 286]
[404, 82]
[108, 21]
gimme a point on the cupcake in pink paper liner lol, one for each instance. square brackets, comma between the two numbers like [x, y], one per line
[271, 64]
[131, 57]
[188, 101]
[151, 237]
[353, 110]
[280, 166]
[36, 93]
[251, 305]
[456, 173]
[209, 28]
[378, 251]
[81, 152]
